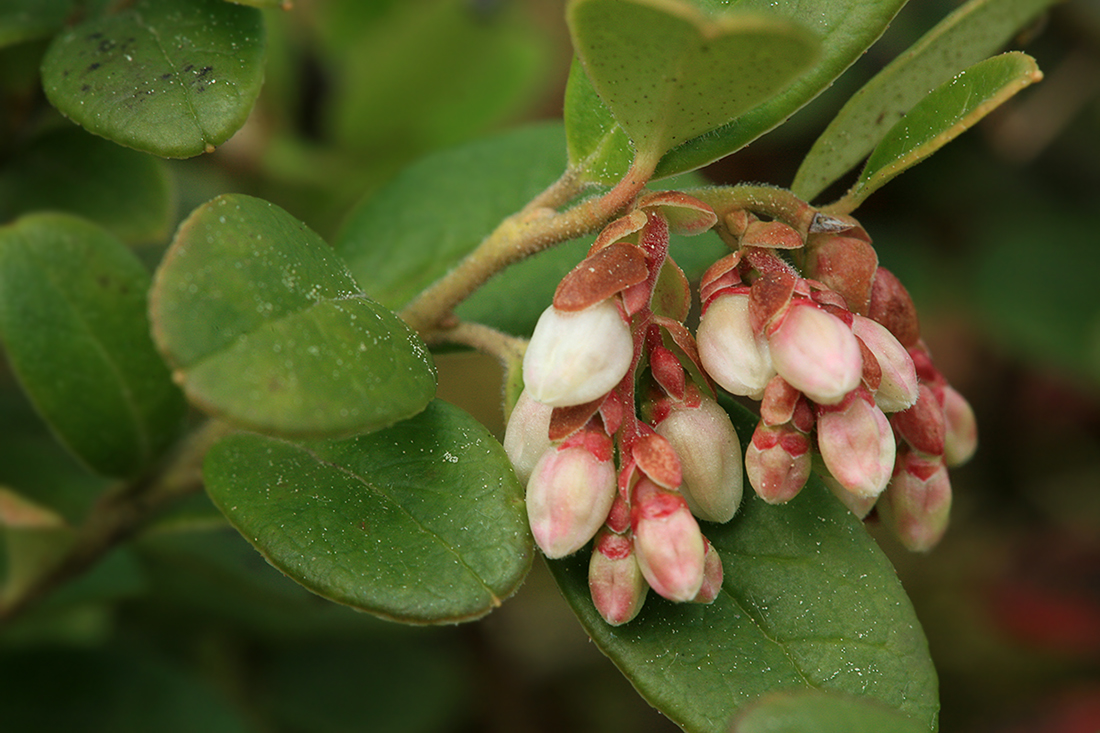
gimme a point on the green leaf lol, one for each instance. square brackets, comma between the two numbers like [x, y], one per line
[808, 602]
[670, 72]
[72, 318]
[266, 327]
[122, 190]
[422, 522]
[169, 77]
[845, 29]
[939, 118]
[814, 711]
[965, 37]
[411, 232]
[452, 69]
[25, 20]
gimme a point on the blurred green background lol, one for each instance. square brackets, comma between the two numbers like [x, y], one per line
[188, 628]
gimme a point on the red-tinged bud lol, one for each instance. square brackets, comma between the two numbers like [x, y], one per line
[846, 265]
[712, 575]
[667, 542]
[922, 425]
[525, 438]
[778, 462]
[917, 503]
[857, 444]
[860, 506]
[897, 389]
[816, 353]
[779, 401]
[961, 437]
[710, 458]
[575, 358]
[614, 579]
[568, 498]
[734, 357]
[892, 307]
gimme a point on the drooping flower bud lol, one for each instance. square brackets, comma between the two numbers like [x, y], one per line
[614, 578]
[667, 542]
[574, 358]
[526, 436]
[917, 503]
[710, 458]
[569, 496]
[778, 462]
[816, 353]
[898, 388]
[735, 357]
[857, 444]
[961, 437]
[860, 506]
[712, 575]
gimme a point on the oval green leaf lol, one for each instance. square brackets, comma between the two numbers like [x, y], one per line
[413, 230]
[939, 118]
[965, 37]
[423, 522]
[169, 77]
[73, 322]
[67, 169]
[845, 29]
[808, 602]
[265, 326]
[814, 711]
[670, 72]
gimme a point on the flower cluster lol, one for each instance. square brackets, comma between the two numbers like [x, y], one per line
[619, 437]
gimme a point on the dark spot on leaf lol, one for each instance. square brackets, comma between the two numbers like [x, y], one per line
[93, 67]
[106, 45]
[85, 87]
[204, 71]
[881, 117]
[165, 76]
[93, 36]
[188, 67]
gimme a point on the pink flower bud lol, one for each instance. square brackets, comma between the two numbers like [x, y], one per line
[667, 542]
[961, 438]
[860, 506]
[898, 388]
[568, 498]
[712, 575]
[857, 444]
[917, 503]
[816, 353]
[710, 458]
[778, 462]
[614, 578]
[574, 358]
[526, 436]
[735, 357]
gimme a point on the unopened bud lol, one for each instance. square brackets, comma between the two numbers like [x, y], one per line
[735, 357]
[778, 462]
[860, 506]
[667, 542]
[897, 389]
[712, 575]
[710, 458]
[526, 436]
[614, 579]
[816, 353]
[857, 444]
[568, 498]
[961, 436]
[574, 358]
[922, 425]
[917, 503]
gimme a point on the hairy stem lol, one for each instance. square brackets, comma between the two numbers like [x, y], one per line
[120, 513]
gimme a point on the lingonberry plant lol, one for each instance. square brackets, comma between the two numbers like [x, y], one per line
[685, 339]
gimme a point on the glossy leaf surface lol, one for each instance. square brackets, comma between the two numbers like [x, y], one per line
[808, 602]
[169, 77]
[818, 712]
[73, 323]
[422, 522]
[844, 28]
[968, 35]
[939, 118]
[125, 191]
[265, 326]
[670, 72]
